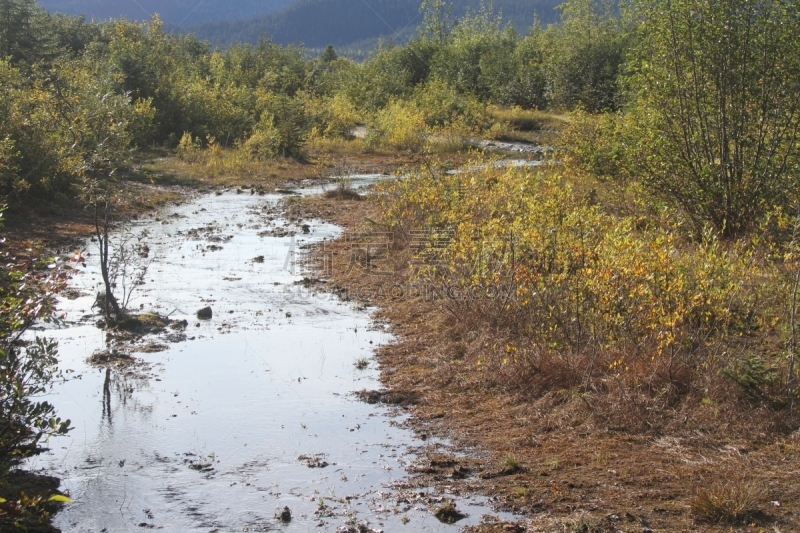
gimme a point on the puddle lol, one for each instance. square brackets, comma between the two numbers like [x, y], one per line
[252, 413]
[502, 163]
[520, 147]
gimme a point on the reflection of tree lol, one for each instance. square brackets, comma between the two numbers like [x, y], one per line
[107, 396]
[122, 384]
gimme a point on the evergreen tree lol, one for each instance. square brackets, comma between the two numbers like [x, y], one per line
[329, 55]
[21, 30]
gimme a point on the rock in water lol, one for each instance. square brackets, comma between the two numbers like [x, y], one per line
[205, 313]
[284, 515]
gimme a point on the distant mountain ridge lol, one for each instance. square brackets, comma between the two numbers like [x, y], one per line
[313, 23]
[175, 12]
[317, 23]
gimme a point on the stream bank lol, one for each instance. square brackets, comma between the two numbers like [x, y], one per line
[545, 455]
[229, 421]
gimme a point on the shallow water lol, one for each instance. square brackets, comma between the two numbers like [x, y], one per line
[520, 147]
[219, 430]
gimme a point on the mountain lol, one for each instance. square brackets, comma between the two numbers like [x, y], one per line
[175, 12]
[317, 23]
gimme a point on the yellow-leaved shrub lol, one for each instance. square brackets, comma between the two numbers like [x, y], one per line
[400, 125]
[579, 292]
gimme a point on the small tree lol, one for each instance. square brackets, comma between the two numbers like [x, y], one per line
[437, 21]
[101, 142]
[329, 55]
[717, 106]
[583, 56]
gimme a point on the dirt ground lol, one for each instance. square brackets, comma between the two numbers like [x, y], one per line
[548, 459]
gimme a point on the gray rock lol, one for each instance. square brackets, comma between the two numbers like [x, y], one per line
[205, 313]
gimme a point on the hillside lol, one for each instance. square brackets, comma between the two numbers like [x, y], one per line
[317, 23]
[171, 11]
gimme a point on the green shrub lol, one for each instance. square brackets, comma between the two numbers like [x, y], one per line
[719, 140]
[27, 368]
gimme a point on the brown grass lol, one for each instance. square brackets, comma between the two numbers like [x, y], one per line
[587, 459]
[728, 501]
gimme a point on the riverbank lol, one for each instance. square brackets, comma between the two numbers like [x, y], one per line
[157, 177]
[550, 457]
[128, 387]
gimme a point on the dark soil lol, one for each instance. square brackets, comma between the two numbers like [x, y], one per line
[26, 506]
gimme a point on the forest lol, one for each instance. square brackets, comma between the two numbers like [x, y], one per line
[654, 261]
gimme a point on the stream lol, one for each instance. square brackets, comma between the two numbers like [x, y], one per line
[236, 418]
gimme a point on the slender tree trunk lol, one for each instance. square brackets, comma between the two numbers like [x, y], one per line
[110, 305]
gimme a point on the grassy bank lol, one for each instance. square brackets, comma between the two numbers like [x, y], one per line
[621, 374]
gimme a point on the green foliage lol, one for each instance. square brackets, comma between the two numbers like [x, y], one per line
[329, 55]
[282, 129]
[717, 101]
[583, 56]
[598, 145]
[478, 57]
[391, 74]
[27, 369]
[752, 374]
[442, 105]
[21, 31]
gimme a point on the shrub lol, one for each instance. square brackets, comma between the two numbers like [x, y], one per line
[443, 106]
[265, 141]
[27, 369]
[332, 117]
[718, 139]
[283, 123]
[583, 56]
[189, 148]
[598, 145]
[400, 126]
[591, 299]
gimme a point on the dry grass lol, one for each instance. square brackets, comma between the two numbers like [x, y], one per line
[335, 145]
[728, 501]
[525, 125]
[527, 119]
[582, 469]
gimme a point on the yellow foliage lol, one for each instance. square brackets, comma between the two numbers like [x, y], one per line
[576, 279]
[401, 125]
[189, 148]
[332, 117]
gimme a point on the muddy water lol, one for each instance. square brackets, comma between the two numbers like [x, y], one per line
[251, 413]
